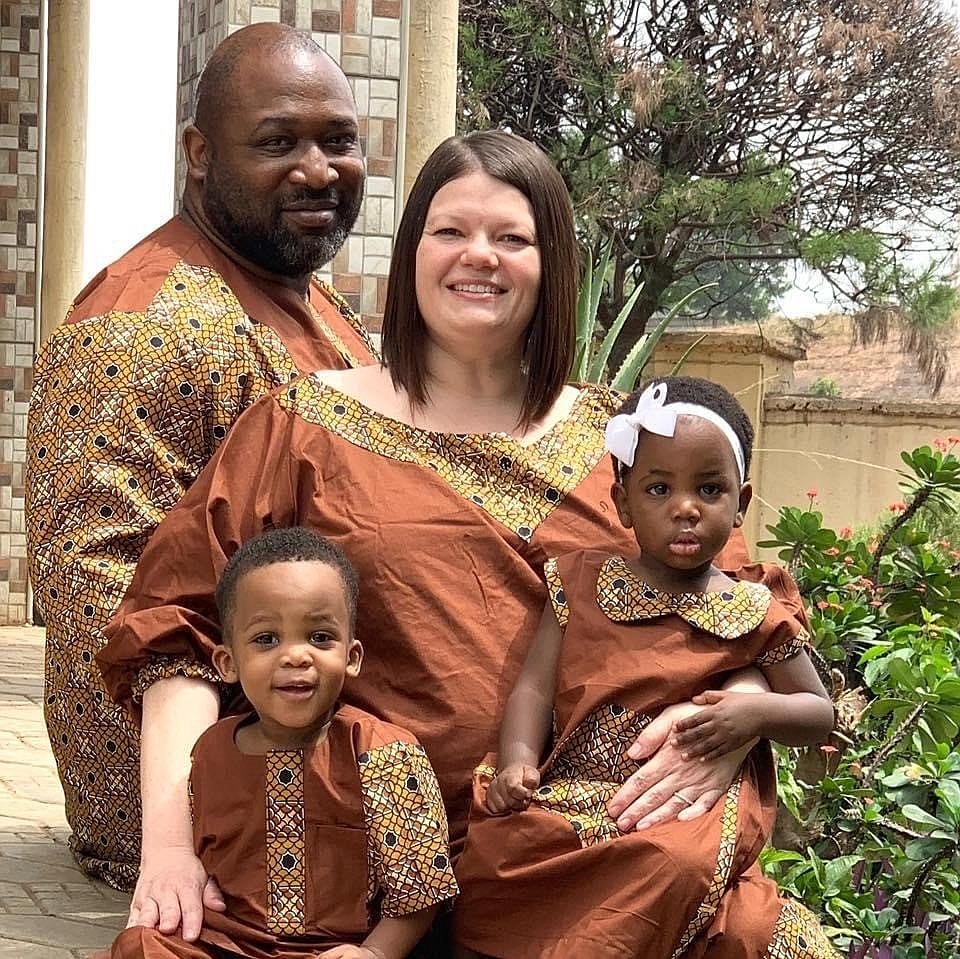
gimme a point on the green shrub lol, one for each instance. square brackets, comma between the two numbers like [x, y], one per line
[822, 386]
[874, 817]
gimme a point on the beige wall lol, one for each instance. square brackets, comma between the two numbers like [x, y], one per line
[848, 451]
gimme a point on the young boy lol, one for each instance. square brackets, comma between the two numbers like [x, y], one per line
[323, 826]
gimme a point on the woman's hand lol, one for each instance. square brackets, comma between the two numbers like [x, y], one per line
[512, 788]
[668, 787]
[351, 952]
[171, 893]
[173, 886]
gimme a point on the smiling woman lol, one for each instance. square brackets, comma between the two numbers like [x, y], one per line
[478, 267]
[449, 476]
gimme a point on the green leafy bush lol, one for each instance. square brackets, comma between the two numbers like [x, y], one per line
[873, 819]
[822, 386]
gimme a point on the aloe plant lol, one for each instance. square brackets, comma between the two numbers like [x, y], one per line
[589, 361]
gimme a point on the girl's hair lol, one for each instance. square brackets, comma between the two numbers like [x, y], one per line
[294, 544]
[550, 338]
[693, 389]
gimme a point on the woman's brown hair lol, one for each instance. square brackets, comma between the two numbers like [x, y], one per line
[550, 338]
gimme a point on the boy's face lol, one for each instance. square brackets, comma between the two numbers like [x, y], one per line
[291, 647]
[681, 497]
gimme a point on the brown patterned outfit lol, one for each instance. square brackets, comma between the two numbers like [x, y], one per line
[558, 880]
[132, 395]
[310, 847]
[448, 532]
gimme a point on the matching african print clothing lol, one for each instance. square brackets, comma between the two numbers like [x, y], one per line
[132, 395]
[449, 534]
[559, 880]
[311, 847]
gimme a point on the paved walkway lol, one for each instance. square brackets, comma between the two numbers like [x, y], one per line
[48, 908]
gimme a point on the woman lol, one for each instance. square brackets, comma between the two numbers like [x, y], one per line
[449, 476]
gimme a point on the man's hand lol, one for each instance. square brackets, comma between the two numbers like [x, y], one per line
[729, 720]
[668, 787]
[512, 789]
[171, 893]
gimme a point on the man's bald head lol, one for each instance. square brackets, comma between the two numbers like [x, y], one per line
[246, 49]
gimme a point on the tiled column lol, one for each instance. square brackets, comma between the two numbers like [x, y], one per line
[19, 145]
[365, 38]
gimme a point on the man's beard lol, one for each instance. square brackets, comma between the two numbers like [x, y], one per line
[264, 240]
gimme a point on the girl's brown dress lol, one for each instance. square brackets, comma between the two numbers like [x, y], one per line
[559, 880]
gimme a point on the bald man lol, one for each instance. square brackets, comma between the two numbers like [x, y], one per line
[156, 359]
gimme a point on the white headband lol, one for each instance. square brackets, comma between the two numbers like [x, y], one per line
[655, 415]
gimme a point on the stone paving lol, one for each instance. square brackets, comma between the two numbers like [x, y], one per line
[48, 908]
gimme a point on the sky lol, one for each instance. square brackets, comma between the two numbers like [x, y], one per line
[809, 294]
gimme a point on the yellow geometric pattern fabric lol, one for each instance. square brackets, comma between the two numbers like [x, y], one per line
[286, 852]
[518, 485]
[558, 598]
[407, 837]
[793, 647]
[347, 313]
[127, 408]
[798, 935]
[589, 766]
[730, 613]
[721, 877]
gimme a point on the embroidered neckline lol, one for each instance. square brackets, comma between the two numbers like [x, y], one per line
[518, 484]
[625, 598]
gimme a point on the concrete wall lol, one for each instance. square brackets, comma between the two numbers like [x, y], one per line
[848, 451]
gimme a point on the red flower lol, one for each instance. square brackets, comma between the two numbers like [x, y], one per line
[829, 749]
[898, 507]
[832, 551]
[812, 494]
[845, 532]
[823, 604]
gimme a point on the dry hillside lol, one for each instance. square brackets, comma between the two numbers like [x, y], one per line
[878, 372]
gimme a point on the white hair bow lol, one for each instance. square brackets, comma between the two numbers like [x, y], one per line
[655, 415]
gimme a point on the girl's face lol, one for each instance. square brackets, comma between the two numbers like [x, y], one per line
[682, 497]
[478, 266]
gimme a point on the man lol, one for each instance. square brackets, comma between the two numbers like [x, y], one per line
[157, 358]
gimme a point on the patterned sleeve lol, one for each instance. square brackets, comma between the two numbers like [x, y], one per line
[170, 609]
[109, 452]
[126, 410]
[558, 598]
[406, 827]
[787, 639]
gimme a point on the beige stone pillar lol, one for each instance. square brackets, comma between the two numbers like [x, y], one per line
[430, 107]
[64, 163]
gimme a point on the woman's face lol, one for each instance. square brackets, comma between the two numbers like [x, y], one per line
[478, 266]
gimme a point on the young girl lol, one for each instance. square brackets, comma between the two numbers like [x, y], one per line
[322, 825]
[621, 638]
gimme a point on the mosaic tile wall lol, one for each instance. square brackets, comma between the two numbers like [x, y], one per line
[19, 131]
[364, 36]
